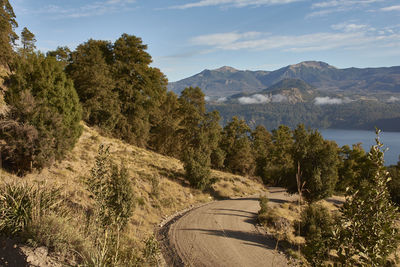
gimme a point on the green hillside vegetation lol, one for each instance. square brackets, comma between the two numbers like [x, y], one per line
[159, 189]
[362, 114]
[95, 153]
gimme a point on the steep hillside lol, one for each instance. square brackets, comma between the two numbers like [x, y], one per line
[226, 81]
[158, 185]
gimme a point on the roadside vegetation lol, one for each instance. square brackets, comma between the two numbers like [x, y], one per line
[95, 153]
[361, 229]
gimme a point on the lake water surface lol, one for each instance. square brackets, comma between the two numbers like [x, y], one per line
[390, 140]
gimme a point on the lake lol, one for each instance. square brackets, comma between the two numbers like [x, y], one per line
[390, 140]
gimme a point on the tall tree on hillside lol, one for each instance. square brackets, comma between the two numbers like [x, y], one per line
[261, 142]
[141, 89]
[164, 134]
[91, 70]
[318, 159]
[120, 92]
[62, 54]
[7, 33]
[192, 108]
[27, 40]
[280, 160]
[235, 142]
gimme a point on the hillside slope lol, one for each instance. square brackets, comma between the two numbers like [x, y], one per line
[158, 184]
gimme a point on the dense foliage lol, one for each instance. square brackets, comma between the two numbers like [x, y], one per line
[119, 91]
[354, 115]
[366, 234]
[43, 122]
[7, 33]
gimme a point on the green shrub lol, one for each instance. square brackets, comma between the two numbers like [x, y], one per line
[317, 228]
[112, 191]
[45, 109]
[197, 168]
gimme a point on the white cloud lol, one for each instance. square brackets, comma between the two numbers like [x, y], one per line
[254, 99]
[393, 99]
[333, 6]
[86, 10]
[233, 3]
[349, 27]
[261, 99]
[298, 43]
[278, 98]
[336, 3]
[391, 8]
[326, 100]
[222, 99]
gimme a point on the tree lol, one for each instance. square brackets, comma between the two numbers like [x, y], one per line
[164, 134]
[62, 53]
[280, 161]
[119, 91]
[366, 233]
[7, 33]
[196, 163]
[28, 41]
[141, 89]
[261, 143]
[236, 144]
[352, 168]
[92, 74]
[41, 97]
[318, 159]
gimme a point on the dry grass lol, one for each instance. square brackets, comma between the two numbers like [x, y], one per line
[159, 187]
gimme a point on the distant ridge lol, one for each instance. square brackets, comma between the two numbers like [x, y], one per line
[227, 81]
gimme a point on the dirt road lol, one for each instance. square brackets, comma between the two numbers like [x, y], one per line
[223, 234]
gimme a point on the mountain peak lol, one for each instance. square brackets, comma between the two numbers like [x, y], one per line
[312, 64]
[226, 69]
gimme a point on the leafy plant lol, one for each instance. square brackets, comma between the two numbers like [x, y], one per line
[366, 233]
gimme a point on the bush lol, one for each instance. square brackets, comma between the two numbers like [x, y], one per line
[367, 233]
[197, 168]
[112, 191]
[44, 108]
[317, 228]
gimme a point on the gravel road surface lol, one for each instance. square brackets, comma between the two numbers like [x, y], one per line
[223, 233]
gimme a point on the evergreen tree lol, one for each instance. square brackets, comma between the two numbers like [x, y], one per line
[42, 97]
[236, 144]
[352, 168]
[366, 234]
[280, 156]
[318, 159]
[7, 33]
[141, 89]
[261, 142]
[28, 41]
[192, 112]
[92, 74]
[62, 54]
[164, 134]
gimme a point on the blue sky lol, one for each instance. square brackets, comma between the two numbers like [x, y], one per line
[186, 36]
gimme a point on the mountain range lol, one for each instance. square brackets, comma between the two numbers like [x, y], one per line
[227, 81]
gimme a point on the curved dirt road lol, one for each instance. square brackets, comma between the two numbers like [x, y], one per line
[223, 234]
